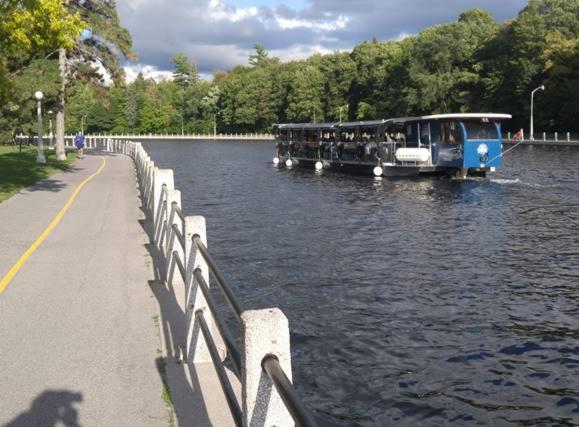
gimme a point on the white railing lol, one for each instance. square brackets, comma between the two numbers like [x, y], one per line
[69, 139]
[264, 363]
[545, 137]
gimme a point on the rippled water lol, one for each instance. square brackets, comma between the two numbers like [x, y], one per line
[411, 301]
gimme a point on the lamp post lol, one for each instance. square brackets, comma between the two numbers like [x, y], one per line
[214, 125]
[340, 108]
[542, 87]
[82, 124]
[50, 136]
[40, 157]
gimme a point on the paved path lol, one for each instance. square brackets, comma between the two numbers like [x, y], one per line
[78, 340]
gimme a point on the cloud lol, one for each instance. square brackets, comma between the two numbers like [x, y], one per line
[148, 71]
[219, 34]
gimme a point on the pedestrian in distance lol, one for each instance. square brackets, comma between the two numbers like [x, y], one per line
[79, 143]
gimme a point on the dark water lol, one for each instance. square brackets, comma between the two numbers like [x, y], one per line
[410, 301]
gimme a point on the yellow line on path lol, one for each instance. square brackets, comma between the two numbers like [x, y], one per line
[16, 267]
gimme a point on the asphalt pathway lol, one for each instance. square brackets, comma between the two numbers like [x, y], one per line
[78, 338]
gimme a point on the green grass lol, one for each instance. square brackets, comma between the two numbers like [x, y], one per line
[19, 169]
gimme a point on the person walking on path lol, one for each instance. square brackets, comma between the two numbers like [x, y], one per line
[79, 143]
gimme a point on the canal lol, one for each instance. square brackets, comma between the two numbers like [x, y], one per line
[411, 301]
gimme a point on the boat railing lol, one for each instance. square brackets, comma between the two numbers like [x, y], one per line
[263, 364]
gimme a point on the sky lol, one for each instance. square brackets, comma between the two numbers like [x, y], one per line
[219, 34]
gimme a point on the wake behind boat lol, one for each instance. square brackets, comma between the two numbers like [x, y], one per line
[460, 145]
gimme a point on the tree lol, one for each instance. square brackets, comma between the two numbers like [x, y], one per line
[306, 94]
[185, 77]
[443, 74]
[30, 31]
[210, 103]
[37, 26]
[185, 72]
[79, 107]
[102, 42]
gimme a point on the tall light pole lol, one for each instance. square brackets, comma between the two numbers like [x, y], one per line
[214, 124]
[542, 87]
[50, 136]
[82, 124]
[40, 147]
[340, 108]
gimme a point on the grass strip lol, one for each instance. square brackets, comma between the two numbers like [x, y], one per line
[19, 169]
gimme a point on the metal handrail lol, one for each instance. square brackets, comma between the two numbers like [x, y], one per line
[285, 389]
[221, 374]
[180, 265]
[233, 303]
[178, 211]
[179, 235]
[221, 326]
[168, 228]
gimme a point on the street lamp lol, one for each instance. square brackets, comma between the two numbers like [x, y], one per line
[82, 124]
[40, 147]
[50, 136]
[214, 124]
[542, 87]
[340, 108]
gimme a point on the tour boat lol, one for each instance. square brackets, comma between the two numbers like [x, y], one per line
[460, 145]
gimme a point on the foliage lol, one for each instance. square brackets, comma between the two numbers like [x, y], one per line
[472, 64]
[37, 25]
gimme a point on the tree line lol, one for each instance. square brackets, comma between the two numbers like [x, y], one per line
[472, 65]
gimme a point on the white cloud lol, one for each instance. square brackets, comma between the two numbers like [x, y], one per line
[217, 11]
[299, 52]
[332, 25]
[149, 72]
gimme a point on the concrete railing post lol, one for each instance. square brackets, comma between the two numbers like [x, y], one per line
[556, 136]
[196, 348]
[162, 177]
[149, 185]
[264, 332]
[544, 136]
[568, 137]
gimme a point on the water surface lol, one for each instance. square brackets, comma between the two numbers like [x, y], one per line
[411, 301]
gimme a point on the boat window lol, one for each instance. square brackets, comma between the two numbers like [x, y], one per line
[348, 135]
[311, 135]
[328, 136]
[481, 130]
[425, 133]
[450, 132]
[368, 134]
[296, 135]
[283, 134]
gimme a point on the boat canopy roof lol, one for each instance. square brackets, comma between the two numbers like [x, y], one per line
[369, 123]
[306, 125]
[365, 123]
[456, 116]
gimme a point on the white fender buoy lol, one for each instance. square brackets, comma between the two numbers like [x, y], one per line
[289, 163]
[378, 171]
[276, 161]
[319, 166]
